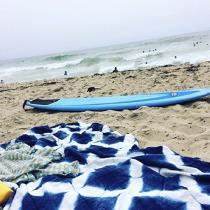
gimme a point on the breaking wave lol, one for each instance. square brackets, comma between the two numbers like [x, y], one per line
[58, 57]
[91, 61]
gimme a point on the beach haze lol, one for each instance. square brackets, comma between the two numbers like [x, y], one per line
[30, 28]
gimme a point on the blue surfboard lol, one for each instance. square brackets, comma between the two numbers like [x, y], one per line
[119, 102]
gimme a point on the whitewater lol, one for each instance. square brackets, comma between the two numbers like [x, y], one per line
[188, 48]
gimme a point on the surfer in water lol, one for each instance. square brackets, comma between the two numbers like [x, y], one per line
[65, 72]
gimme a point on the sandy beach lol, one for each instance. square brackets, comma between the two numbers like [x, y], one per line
[183, 128]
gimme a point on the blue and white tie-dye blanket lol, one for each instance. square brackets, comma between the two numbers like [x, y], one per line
[115, 174]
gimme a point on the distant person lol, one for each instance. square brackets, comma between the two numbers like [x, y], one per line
[2, 81]
[145, 62]
[175, 57]
[115, 69]
[143, 51]
[65, 72]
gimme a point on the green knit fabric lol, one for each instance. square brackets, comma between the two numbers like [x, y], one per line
[22, 163]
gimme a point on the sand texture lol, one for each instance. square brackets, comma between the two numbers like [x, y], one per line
[183, 128]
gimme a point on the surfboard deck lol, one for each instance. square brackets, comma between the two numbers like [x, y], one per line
[159, 99]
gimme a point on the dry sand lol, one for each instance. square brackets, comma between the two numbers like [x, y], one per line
[185, 129]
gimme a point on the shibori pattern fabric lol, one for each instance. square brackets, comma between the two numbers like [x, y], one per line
[115, 174]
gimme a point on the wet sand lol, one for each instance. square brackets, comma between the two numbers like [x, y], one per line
[183, 128]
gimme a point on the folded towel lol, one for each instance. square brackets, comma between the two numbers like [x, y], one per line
[21, 163]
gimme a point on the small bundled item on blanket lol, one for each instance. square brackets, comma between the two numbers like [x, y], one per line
[5, 192]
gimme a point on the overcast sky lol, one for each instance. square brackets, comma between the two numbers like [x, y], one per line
[36, 27]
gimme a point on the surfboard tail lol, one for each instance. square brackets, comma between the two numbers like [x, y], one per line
[38, 102]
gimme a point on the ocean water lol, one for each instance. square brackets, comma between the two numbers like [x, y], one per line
[191, 48]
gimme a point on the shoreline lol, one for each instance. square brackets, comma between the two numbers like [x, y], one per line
[183, 128]
[100, 74]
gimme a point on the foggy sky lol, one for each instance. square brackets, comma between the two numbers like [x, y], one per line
[37, 27]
